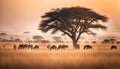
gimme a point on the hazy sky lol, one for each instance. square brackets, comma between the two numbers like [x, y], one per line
[18, 16]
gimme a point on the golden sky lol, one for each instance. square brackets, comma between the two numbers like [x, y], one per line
[18, 16]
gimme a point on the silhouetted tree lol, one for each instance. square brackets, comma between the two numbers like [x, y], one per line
[45, 41]
[26, 32]
[3, 34]
[17, 40]
[73, 22]
[12, 39]
[5, 40]
[37, 38]
[58, 39]
[106, 41]
[112, 40]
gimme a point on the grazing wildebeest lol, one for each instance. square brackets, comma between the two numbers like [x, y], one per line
[53, 47]
[21, 46]
[25, 46]
[14, 47]
[77, 46]
[66, 46]
[62, 47]
[30, 46]
[48, 46]
[36, 47]
[113, 47]
[87, 47]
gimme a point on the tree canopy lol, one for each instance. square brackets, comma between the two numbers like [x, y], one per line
[73, 22]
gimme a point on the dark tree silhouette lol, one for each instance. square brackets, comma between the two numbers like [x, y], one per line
[12, 39]
[37, 38]
[106, 41]
[3, 34]
[58, 39]
[17, 40]
[26, 32]
[112, 40]
[73, 22]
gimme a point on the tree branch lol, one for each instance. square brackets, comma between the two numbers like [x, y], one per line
[83, 29]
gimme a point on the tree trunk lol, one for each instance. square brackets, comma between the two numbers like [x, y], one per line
[74, 43]
[74, 40]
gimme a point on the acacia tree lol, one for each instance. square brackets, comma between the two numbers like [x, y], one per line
[3, 34]
[37, 38]
[58, 39]
[73, 22]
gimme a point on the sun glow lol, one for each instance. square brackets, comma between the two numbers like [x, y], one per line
[27, 13]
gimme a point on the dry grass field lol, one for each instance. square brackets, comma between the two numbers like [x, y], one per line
[100, 57]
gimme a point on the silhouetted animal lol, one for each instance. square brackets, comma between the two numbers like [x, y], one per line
[22, 46]
[25, 46]
[48, 46]
[62, 47]
[87, 47]
[113, 47]
[36, 47]
[30, 46]
[66, 46]
[53, 47]
[77, 46]
[14, 47]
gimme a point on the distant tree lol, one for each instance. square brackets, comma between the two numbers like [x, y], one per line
[5, 40]
[106, 41]
[3, 34]
[73, 22]
[37, 38]
[58, 39]
[112, 40]
[45, 41]
[12, 38]
[26, 32]
[17, 40]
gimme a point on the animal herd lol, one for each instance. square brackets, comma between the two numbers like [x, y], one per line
[86, 47]
[53, 47]
[62, 47]
[26, 46]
